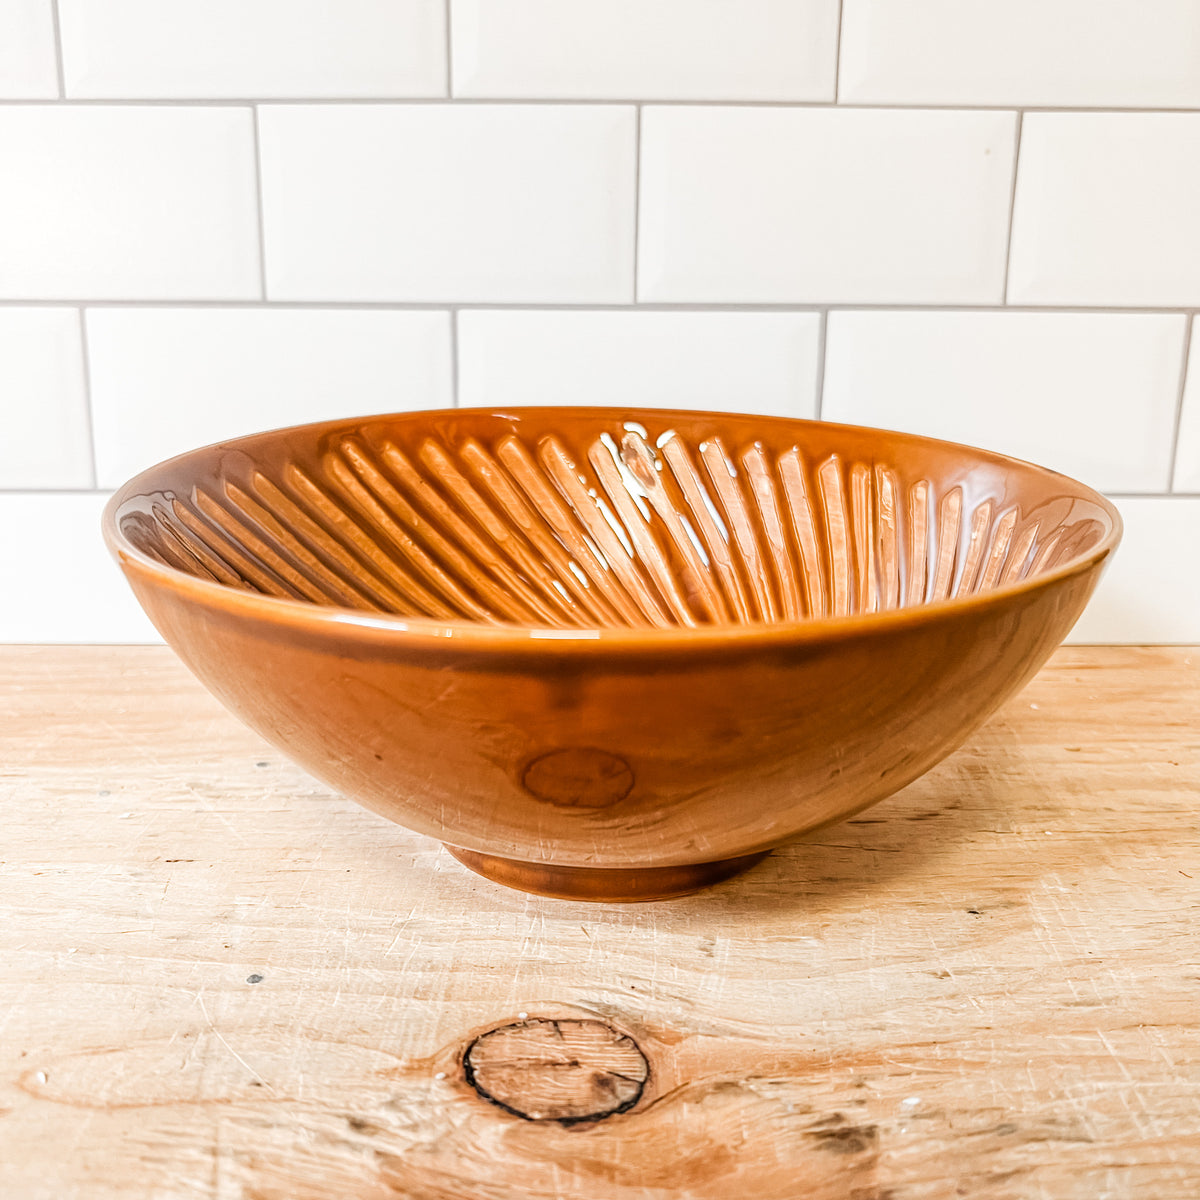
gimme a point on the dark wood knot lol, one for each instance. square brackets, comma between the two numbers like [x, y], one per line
[567, 1070]
[579, 777]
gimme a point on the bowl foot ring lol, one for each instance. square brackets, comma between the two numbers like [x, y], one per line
[604, 884]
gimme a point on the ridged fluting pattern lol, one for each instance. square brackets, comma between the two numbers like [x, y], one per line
[630, 533]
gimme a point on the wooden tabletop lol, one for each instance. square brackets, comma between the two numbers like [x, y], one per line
[220, 980]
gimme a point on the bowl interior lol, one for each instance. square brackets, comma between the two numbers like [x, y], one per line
[607, 518]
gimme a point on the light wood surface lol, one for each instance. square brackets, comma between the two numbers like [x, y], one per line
[219, 980]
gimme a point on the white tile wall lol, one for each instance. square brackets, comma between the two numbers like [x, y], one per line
[167, 380]
[1187, 455]
[27, 55]
[248, 48]
[1091, 395]
[646, 49]
[443, 202]
[1151, 592]
[236, 214]
[747, 362]
[73, 590]
[1104, 53]
[44, 440]
[116, 202]
[1106, 210]
[824, 205]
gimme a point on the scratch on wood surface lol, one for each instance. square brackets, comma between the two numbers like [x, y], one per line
[1138, 1116]
[206, 804]
[221, 1038]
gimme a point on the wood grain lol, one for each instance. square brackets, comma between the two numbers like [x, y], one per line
[221, 981]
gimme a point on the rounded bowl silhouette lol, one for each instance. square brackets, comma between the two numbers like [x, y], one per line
[602, 653]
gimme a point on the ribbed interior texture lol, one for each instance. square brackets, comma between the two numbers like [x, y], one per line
[625, 531]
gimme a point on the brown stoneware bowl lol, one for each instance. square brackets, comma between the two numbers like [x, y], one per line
[609, 654]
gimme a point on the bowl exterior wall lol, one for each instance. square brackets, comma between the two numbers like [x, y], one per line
[586, 756]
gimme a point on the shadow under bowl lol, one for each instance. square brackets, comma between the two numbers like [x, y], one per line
[609, 654]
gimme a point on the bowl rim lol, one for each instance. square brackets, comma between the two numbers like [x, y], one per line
[360, 623]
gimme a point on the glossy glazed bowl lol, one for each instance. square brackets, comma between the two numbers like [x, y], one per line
[609, 654]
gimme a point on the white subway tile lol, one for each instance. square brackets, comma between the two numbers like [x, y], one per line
[168, 380]
[1073, 53]
[1090, 394]
[736, 362]
[27, 66]
[1106, 210]
[443, 202]
[123, 202]
[44, 439]
[1151, 590]
[824, 205]
[1187, 454]
[231, 48]
[646, 49]
[70, 590]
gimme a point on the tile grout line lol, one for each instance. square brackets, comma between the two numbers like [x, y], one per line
[1183, 373]
[837, 53]
[1012, 204]
[105, 491]
[384, 101]
[56, 22]
[446, 16]
[822, 348]
[1152, 495]
[454, 357]
[258, 201]
[88, 415]
[681, 306]
[637, 201]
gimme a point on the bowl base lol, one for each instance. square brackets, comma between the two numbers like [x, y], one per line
[604, 884]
